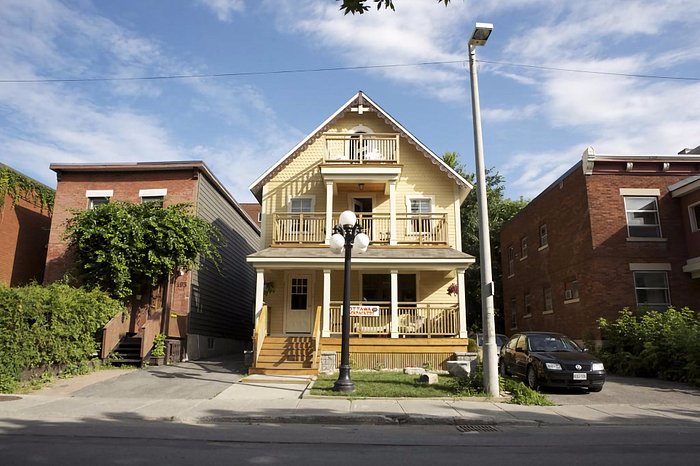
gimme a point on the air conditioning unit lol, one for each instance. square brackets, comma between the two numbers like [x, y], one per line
[568, 294]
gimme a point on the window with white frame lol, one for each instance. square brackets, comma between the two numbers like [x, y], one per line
[523, 247]
[97, 197]
[548, 306]
[153, 195]
[544, 237]
[300, 205]
[651, 288]
[694, 211]
[642, 217]
[511, 261]
[420, 209]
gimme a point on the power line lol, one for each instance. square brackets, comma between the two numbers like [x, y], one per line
[339, 68]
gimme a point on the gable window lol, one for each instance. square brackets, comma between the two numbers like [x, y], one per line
[97, 197]
[523, 248]
[651, 288]
[548, 307]
[513, 313]
[642, 217]
[153, 195]
[694, 217]
[420, 209]
[511, 261]
[544, 239]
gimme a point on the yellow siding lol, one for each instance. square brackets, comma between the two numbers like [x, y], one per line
[432, 288]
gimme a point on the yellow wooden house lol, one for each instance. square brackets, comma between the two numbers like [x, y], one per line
[407, 201]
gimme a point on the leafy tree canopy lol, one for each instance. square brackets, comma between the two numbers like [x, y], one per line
[18, 186]
[122, 247]
[360, 6]
[501, 210]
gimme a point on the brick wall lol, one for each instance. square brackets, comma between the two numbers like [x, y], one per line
[24, 234]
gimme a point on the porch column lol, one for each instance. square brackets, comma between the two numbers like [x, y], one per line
[392, 213]
[394, 304]
[329, 211]
[326, 329]
[462, 305]
[259, 288]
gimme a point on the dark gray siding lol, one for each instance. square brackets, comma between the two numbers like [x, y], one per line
[222, 302]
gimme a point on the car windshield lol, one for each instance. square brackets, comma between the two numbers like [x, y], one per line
[551, 343]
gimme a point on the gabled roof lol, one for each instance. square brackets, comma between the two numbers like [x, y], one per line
[358, 99]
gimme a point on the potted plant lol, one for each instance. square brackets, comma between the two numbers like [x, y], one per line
[158, 350]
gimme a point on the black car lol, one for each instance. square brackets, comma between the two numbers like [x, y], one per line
[546, 359]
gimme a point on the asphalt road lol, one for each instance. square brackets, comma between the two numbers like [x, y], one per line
[137, 443]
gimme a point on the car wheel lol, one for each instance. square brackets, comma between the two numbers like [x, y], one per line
[503, 368]
[532, 381]
[595, 389]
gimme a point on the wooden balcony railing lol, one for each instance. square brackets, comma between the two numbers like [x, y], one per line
[414, 319]
[362, 148]
[310, 228]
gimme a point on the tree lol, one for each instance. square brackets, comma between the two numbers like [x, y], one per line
[360, 7]
[501, 210]
[122, 247]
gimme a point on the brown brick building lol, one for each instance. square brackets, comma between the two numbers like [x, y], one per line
[24, 229]
[207, 310]
[613, 232]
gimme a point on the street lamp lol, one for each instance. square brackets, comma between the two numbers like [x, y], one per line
[347, 233]
[482, 31]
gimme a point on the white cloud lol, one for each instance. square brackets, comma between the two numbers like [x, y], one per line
[224, 9]
[501, 115]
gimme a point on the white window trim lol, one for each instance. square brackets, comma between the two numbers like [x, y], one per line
[90, 193]
[307, 196]
[694, 220]
[658, 219]
[650, 267]
[641, 192]
[153, 192]
[410, 197]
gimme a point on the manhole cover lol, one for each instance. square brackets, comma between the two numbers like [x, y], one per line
[9, 398]
[477, 428]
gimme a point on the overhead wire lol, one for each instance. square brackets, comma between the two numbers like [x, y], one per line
[331, 69]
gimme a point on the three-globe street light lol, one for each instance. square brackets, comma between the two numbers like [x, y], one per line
[347, 234]
[482, 31]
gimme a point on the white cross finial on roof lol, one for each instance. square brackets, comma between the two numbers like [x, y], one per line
[360, 109]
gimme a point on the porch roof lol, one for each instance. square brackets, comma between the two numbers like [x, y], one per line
[422, 258]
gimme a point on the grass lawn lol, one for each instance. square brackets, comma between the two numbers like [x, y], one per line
[385, 384]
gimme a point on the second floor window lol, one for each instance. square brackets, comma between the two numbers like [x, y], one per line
[97, 197]
[651, 289]
[642, 217]
[421, 208]
[548, 307]
[544, 238]
[95, 201]
[528, 304]
[301, 204]
[523, 247]
[511, 261]
[694, 217]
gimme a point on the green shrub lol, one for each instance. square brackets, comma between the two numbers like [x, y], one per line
[54, 325]
[521, 394]
[653, 344]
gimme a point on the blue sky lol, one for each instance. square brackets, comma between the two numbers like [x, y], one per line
[536, 122]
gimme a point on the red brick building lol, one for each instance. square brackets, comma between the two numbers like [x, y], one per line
[613, 232]
[25, 220]
[208, 311]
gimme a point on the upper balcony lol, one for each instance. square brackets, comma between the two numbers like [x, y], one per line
[309, 228]
[361, 148]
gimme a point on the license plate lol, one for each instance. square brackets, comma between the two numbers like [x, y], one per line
[579, 376]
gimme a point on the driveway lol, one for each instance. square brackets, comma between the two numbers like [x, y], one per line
[195, 380]
[629, 390]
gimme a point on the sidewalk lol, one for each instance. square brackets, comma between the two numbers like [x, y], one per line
[269, 399]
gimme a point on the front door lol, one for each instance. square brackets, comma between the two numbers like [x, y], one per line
[362, 206]
[299, 306]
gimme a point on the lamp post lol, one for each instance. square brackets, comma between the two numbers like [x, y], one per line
[482, 31]
[347, 233]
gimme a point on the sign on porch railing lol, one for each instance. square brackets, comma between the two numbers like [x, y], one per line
[364, 311]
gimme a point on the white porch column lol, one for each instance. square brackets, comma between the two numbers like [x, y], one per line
[462, 305]
[392, 213]
[394, 304]
[329, 211]
[326, 329]
[259, 289]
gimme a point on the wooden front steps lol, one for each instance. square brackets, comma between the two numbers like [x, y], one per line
[285, 355]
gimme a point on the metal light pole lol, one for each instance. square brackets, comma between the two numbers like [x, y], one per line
[482, 31]
[347, 234]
